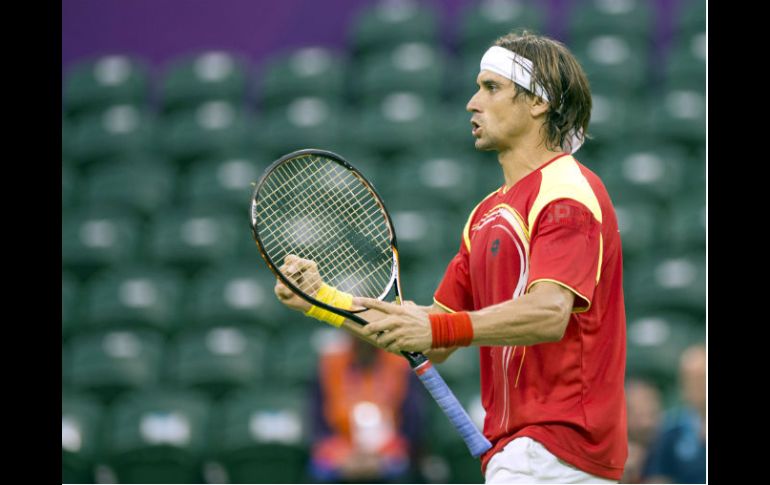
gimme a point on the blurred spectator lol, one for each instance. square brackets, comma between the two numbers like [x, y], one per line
[366, 416]
[643, 404]
[678, 454]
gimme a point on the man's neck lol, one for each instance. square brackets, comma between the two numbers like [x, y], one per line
[517, 163]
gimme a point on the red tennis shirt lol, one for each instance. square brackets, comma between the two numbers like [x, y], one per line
[556, 224]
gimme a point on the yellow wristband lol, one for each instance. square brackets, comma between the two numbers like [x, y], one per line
[333, 297]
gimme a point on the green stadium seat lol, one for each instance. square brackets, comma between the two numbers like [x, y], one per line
[117, 130]
[95, 83]
[304, 122]
[81, 430]
[614, 117]
[615, 60]
[668, 282]
[239, 290]
[204, 76]
[639, 222]
[385, 23]
[109, 363]
[134, 297]
[687, 229]
[225, 181]
[211, 129]
[262, 435]
[67, 136]
[313, 71]
[218, 359]
[631, 18]
[400, 122]
[483, 22]
[420, 280]
[292, 358]
[680, 116]
[69, 186]
[70, 304]
[143, 183]
[96, 237]
[433, 179]
[686, 62]
[412, 66]
[158, 436]
[191, 238]
[425, 235]
[692, 16]
[655, 344]
[654, 169]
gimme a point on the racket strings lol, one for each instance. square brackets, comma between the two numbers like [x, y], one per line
[319, 210]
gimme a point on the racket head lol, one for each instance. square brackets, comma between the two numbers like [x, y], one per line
[314, 204]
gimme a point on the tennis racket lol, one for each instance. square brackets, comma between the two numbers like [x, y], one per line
[315, 205]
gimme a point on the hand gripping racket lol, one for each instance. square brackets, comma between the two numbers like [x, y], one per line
[315, 205]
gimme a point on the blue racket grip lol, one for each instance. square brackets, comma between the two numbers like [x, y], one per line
[431, 379]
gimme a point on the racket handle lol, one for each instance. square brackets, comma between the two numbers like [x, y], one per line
[432, 380]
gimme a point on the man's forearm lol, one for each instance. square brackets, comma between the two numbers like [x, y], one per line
[533, 318]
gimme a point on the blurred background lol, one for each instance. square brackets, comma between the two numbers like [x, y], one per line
[178, 365]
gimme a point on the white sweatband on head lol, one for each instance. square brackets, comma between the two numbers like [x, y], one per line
[520, 70]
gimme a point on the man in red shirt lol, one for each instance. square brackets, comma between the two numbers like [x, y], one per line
[536, 283]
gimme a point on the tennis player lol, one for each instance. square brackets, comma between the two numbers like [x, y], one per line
[536, 283]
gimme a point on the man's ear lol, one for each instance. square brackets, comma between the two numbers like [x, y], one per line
[538, 107]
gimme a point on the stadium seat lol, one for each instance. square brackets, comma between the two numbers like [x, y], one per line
[315, 71]
[95, 237]
[385, 23]
[686, 62]
[109, 363]
[692, 16]
[95, 83]
[143, 183]
[158, 436]
[191, 238]
[217, 359]
[616, 60]
[668, 282]
[432, 179]
[655, 344]
[483, 22]
[401, 121]
[70, 304]
[139, 296]
[81, 431]
[262, 435]
[225, 181]
[239, 290]
[211, 129]
[115, 131]
[204, 76]
[630, 18]
[687, 228]
[640, 226]
[67, 136]
[412, 66]
[653, 168]
[292, 357]
[69, 186]
[305, 122]
[680, 116]
[419, 280]
[426, 235]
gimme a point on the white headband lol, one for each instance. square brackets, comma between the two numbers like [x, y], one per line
[519, 69]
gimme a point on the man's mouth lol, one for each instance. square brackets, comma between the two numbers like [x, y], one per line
[475, 128]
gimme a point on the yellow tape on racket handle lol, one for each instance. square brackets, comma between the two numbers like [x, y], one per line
[333, 297]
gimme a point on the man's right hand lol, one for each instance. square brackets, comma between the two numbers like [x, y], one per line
[303, 273]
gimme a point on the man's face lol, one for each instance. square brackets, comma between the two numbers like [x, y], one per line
[498, 120]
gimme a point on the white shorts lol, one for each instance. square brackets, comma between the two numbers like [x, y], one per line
[524, 460]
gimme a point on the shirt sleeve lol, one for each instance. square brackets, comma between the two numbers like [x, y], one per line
[565, 248]
[454, 290]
